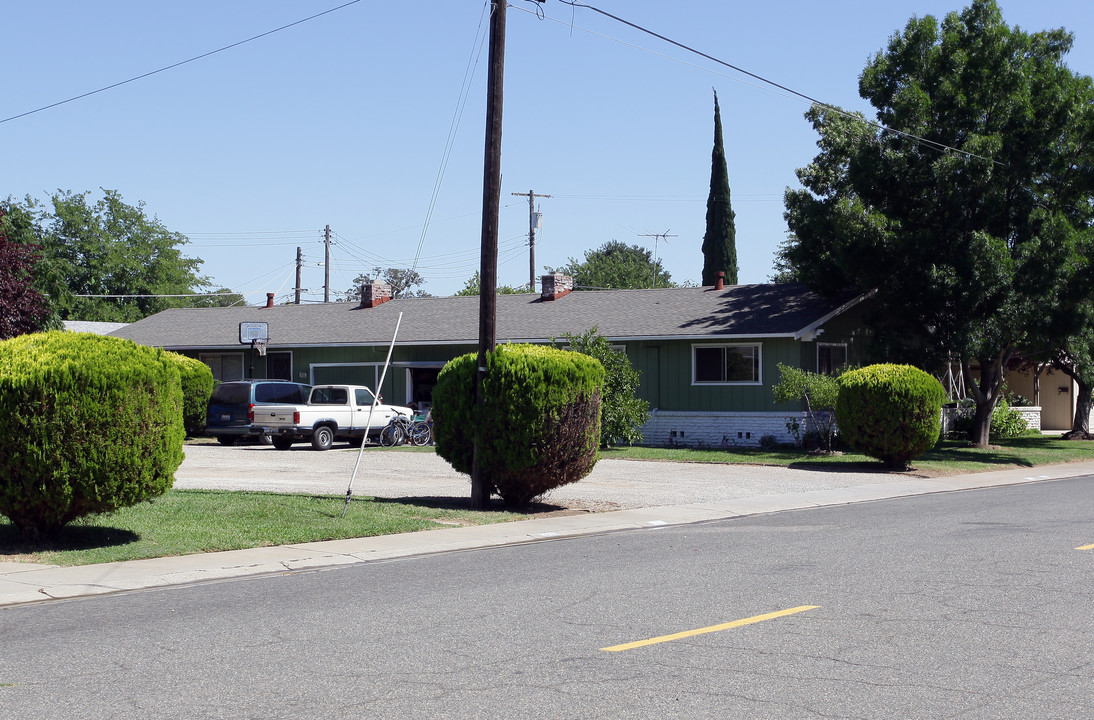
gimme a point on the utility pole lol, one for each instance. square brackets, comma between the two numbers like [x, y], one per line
[657, 236]
[299, 264]
[491, 205]
[326, 265]
[531, 236]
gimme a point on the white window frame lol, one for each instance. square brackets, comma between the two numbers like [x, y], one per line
[831, 345]
[710, 346]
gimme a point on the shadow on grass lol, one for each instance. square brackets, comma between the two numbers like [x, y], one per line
[974, 456]
[464, 503]
[70, 537]
[851, 466]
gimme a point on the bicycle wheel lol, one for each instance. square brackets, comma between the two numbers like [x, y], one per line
[391, 435]
[420, 434]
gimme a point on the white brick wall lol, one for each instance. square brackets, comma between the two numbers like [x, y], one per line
[717, 429]
[1031, 414]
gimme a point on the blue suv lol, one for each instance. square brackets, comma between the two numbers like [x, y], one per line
[230, 416]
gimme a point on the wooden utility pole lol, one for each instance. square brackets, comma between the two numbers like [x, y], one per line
[491, 205]
[657, 236]
[531, 236]
[299, 264]
[326, 265]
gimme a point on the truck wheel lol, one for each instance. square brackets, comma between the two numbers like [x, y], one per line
[265, 439]
[282, 443]
[322, 438]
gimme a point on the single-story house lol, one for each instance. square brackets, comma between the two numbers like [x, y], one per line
[707, 356]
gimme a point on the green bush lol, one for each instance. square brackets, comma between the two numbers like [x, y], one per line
[539, 426]
[1006, 422]
[197, 386]
[818, 392]
[622, 413]
[88, 424]
[890, 412]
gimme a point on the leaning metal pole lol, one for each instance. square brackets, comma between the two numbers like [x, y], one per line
[491, 203]
[371, 410]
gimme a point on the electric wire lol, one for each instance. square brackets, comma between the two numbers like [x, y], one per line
[941, 147]
[457, 116]
[178, 64]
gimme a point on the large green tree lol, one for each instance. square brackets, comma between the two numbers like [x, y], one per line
[107, 260]
[720, 240]
[964, 207]
[1066, 336]
[617, 266]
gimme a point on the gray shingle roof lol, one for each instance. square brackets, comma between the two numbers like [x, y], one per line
[784, 309]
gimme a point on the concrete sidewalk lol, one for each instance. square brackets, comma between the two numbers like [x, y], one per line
[22, 583]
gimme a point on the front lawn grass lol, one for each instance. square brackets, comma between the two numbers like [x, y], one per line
[183, 522]
[949, 457]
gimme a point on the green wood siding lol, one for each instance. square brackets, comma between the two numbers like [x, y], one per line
[665, 368]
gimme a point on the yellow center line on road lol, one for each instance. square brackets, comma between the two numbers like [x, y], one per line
[1085, 547]
[712, 628]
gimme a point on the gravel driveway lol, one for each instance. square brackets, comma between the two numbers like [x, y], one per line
[613, 484]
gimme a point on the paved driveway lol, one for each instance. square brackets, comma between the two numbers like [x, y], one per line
[612, 485]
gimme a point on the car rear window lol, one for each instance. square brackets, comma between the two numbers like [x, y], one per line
[290, 393]
[329, 396]
[231, 394]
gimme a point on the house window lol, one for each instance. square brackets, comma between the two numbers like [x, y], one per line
[831, 357]
[225, 366]
[279, 365]
[725, 364]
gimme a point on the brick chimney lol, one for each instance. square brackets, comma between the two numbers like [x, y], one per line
[555, 285]
[374, 294]
[720, 283]
[269, 300]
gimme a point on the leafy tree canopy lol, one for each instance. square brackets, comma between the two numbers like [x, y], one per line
[473, 286]
[615, 265]
[22, 308]
[967, 216]
[94, 249]
[401, 280]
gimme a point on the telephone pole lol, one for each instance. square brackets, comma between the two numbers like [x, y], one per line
[299, 264]
[491, 206]
[531, 236]
[657, 236]
[326, 265]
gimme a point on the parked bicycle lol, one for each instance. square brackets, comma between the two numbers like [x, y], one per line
[402, 429]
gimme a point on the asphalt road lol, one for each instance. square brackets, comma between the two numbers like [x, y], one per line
[961, 605]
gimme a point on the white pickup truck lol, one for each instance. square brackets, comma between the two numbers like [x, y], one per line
[333, 412]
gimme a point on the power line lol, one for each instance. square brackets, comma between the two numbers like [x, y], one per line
[178, 64]
[853, 116]
[457, 115]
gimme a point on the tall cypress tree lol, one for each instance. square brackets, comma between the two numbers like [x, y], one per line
[720, 240]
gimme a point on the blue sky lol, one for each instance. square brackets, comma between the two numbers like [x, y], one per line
[344, 120]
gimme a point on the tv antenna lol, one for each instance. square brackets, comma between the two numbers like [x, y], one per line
[656, 237]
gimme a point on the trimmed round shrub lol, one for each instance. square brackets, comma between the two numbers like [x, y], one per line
[88, 424]
[197, 387]
[890, 412]
[539, 427]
